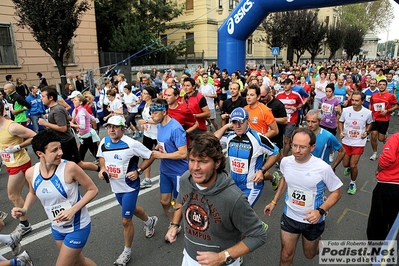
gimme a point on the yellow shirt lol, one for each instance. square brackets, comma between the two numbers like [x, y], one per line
[15, 159]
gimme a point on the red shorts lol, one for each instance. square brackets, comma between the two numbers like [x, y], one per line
[17, 169]
[353, 150]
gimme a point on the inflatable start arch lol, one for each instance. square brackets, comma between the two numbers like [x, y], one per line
[247, 16]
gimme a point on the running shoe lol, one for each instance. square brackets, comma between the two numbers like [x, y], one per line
[3, 215]
[123, 258]
[150, 229]
[373, 157]
[352, 189]
[24, 259]
[136, 135]
[25, 229]
[145, 184]
[15, 244]
[276, 181]
[347, 171]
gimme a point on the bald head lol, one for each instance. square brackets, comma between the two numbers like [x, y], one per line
[9, 88]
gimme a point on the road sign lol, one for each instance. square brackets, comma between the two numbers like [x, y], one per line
[275, 51]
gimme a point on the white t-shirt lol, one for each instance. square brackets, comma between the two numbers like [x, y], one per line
[207, 90]
[115, 105]
[306, 183]
[354, 125]
[150, 130]
[131, 99]
[322, 93]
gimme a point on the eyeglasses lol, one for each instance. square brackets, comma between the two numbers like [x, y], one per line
[263, 96]
[300, 147]
[113, 127]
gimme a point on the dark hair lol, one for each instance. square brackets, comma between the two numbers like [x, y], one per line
[207, 145]
[384, 81]
[8, 77]
[254, 87]
[175, 91]
[51, 92]
[151, 92]
[288, 81]
[306, 131]
[1, 107]
[43, 138]
[191, 80]
[128, 87]
[39, 74]
[331, 86]
[225, 71]
[111, 92]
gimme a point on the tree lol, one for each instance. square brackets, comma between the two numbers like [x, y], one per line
[371, 16]
[139, 24]
[334, 41]
[275, 28]
[353, 40]
[316, 37]
[52, 24]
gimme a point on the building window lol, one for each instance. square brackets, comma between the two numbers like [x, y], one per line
[233, 3]
[164, 40]
[189, 4]
[190, 42]
[8, 51]
[249, 45]
[220, 3]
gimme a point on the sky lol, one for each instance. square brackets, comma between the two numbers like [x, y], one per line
[393, 30]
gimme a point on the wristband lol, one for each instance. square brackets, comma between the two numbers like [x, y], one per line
[274, 202]
[173, 224]
[25, 211]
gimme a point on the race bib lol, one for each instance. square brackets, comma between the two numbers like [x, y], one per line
[238, 165]
[368, 97]
[115, 170]
[354, 134]
[379, 107]
[327, 108]
[7, 157]
[302, 198]
[340, 98]
[54, 210]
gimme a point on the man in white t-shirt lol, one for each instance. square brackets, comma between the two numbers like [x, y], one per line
[305, 178]
[208, 91]
[354, 126]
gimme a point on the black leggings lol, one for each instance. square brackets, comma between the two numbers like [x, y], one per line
[87, 144]
[131, 119]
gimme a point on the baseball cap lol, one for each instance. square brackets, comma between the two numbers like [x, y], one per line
[74, 94]
[239, 114]
[116, 120]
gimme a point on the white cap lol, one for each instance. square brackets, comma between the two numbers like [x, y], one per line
[74, 94]
[116, 120]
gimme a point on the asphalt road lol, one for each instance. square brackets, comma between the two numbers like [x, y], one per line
[346, 221]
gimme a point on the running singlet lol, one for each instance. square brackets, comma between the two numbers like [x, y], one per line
[368, 92]
[329, 114]
[305, 185]
[290, 100]
[12, 159]
[120, 158]
[56, 195]
[354, 125]
[340, 93]
[246, 156]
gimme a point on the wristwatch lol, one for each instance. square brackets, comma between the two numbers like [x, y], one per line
[228, 259]
[321, 211]
[139, 171]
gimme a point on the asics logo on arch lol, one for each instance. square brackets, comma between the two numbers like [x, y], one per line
[242, 11]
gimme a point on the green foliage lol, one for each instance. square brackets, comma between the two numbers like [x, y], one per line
[274, 26]
[353, 40]
[316, 37]
[138, 25]
[371, 16]
[390, 47]
[52, 24]
[334, 40]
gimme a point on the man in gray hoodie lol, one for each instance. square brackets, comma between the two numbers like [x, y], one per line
[213, 207]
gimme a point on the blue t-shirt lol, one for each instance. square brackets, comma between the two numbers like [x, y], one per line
[391, 86]
[170, 138]
[325, 141]
[368, 94]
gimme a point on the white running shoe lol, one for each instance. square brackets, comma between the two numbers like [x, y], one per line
[15, 244]
[23, 228]
[24, 259]
[3, 215]
[373, 157]
[150, 230]
[123, 258]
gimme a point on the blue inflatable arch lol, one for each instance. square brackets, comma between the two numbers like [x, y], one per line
[247, 16]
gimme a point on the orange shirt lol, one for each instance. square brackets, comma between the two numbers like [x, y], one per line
[260, 117]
